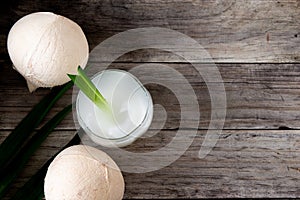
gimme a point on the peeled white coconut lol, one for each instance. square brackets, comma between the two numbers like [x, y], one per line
[83, 173]
[44, 47]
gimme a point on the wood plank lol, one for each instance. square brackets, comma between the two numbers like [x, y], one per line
[247, 161]
[244, 163]
[259, 96]
[232, 31]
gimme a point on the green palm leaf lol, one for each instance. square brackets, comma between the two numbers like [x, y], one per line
[33, 189]
[83, 82]
[11, 145]
[17, 164]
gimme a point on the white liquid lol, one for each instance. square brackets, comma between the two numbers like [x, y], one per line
[131, 107]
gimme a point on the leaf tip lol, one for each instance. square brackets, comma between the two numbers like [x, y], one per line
[72, 76]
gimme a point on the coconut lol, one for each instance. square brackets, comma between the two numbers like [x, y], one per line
[83, 172]
[45, 47]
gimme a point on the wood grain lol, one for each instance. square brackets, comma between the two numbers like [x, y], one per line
[259, 96]
[256, 163]
[256, 45]
[231, 31]
[243, 163]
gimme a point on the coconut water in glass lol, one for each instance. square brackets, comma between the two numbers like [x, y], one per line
[131, 109]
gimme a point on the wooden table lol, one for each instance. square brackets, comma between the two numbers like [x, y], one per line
[256, 46]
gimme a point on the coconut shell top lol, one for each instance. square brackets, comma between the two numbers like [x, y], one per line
[44, 47]
[83, 172]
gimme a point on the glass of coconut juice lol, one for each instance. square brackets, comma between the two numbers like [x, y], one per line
[130, 109]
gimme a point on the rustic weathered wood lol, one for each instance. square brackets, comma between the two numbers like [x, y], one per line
[243, 163]
[258, 96]
[256, 163]
[246, 38]
[232, 31]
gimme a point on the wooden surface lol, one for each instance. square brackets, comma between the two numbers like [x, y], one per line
[256, 45]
